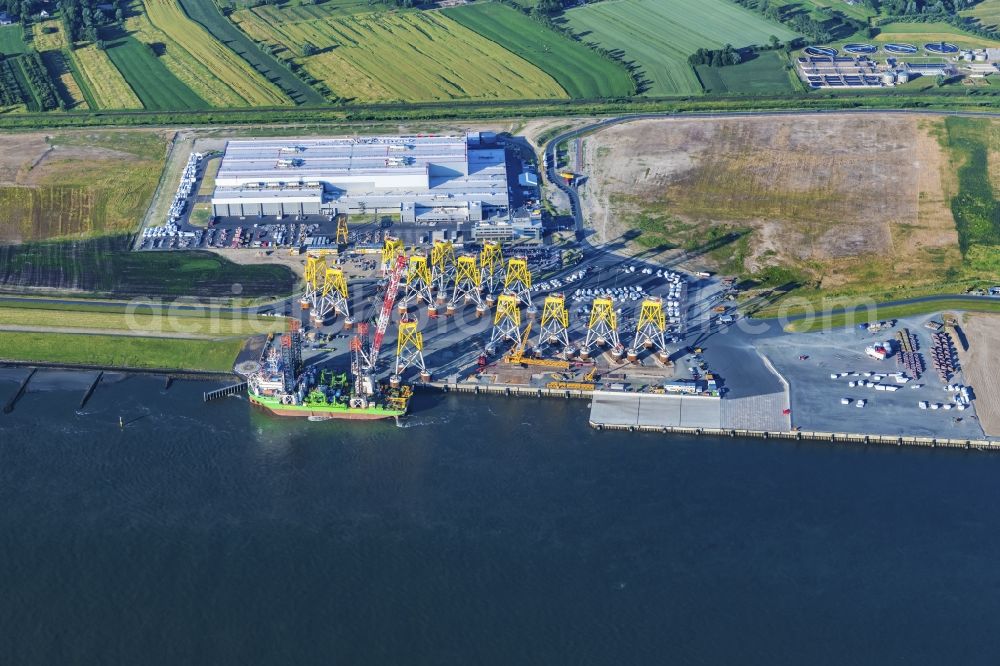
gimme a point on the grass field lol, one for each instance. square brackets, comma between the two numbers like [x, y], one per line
[409, 56]
[102, 79]
[193, 73]
[140, 321]
[229, 69]
[207, 14]
[659, 35]
[120, 351]
[919, 34]
[987, 12]
[764, 75]
[839, 319]
[49, 36]
[106, 266]
[88, 184]
[580, 71]
[974, 205]
[11, 39]
[154, 84]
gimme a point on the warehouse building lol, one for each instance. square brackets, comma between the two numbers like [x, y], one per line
[423, 178]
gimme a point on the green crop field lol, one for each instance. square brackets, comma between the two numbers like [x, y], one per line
[106, 265]
[206, 13]
[154, 84]
[987, 13]
[764, 75]
[11, 40]
[119, 351]
[579, 70]
[228, 69]
[408, 56]
[659, 35]
[102, 80]
[919, 34]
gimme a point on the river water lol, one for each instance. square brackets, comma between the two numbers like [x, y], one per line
[484, 531]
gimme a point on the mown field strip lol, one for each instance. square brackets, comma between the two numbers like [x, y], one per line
[153, 83]
[120, 351]
[11, 39]
[659, 35]
[141, 322]
[228, 67]
[409, 56]
[188, 69]
[207, 14]
[103, 80]
[581, 72]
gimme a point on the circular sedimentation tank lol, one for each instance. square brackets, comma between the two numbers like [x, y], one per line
[900, 49]
[860, 49]
[820, 51]
[941, 48]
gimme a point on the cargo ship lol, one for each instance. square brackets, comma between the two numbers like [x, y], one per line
[318, 395]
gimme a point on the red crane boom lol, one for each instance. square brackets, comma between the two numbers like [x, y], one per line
[385, 316]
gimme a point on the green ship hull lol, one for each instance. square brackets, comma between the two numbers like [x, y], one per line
[322, 410]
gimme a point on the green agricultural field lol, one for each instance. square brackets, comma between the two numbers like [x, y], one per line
[119, 351]
[578, 69]
[228, 69]
[107, 266]
[975, 206]
[104, 83]
[764, 75]
[208, 15]
[154, 84]
[408, 56]
[659, 35]
[986, 12]
[919, 34]
[11, 40]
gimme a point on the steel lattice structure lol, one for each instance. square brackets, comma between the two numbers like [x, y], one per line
[517, 279]
[418, 280]
[507, 321]
[409, 347]
[555, 321]
[649, 332]
[468, 281]
[603, 324]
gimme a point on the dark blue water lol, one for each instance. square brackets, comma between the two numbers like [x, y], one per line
[489, 531]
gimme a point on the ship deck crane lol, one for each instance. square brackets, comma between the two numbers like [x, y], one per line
[385, 315]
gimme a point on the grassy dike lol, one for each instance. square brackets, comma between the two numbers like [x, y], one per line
[148, 338]
[861, 315]
[115, 351]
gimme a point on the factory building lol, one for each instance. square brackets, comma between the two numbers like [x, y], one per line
[422, 178]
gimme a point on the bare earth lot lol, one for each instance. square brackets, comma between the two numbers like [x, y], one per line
[981, 366]
[845, 200]
[76, 184]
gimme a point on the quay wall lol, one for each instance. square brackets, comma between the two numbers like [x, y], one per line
[801, 435]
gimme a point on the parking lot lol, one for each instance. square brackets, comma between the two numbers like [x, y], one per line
[809, 362]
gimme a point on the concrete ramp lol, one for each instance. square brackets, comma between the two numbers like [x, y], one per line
[655, 410]
[757, 412]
